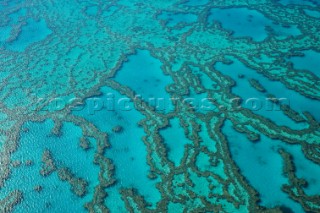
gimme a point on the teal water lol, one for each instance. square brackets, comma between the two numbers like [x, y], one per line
[243, 22]
[15, 16]
[142, 73]
[309, 62]
[312, 13]
[4, 33]
[128, 152]
[173, 18]
[75, 75]
[92, 10]
[175, 141]
[300, 2]
[33, 143]
[260, 104]
[33, 31]
[253, 162]
[196, 3]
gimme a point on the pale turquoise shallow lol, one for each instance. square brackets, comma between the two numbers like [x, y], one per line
[259, 163]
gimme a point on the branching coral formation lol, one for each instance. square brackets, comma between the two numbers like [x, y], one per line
[83, 47]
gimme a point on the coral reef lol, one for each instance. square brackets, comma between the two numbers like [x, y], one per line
[70, 61]
[78, 185]
[48, 165]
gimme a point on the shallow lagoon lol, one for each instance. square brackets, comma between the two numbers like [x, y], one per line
[33, 31]
[33, 143]
[173, 159]
[243, 22]
[263, 106]
[127, 152]
[309, 61]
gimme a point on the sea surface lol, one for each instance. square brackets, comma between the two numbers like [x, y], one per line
[159, 106]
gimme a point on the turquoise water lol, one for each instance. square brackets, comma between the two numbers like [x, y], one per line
[307, 62]
[175, 141]
[128, 152]
[4, 33]
[33, 143]
[142, 73]
[34, 31]
[312, 13]
[196, 3]
[131, 106]
[253, 162]
[260, 103]
[173, 18]
[300, 2]
[243, 22]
